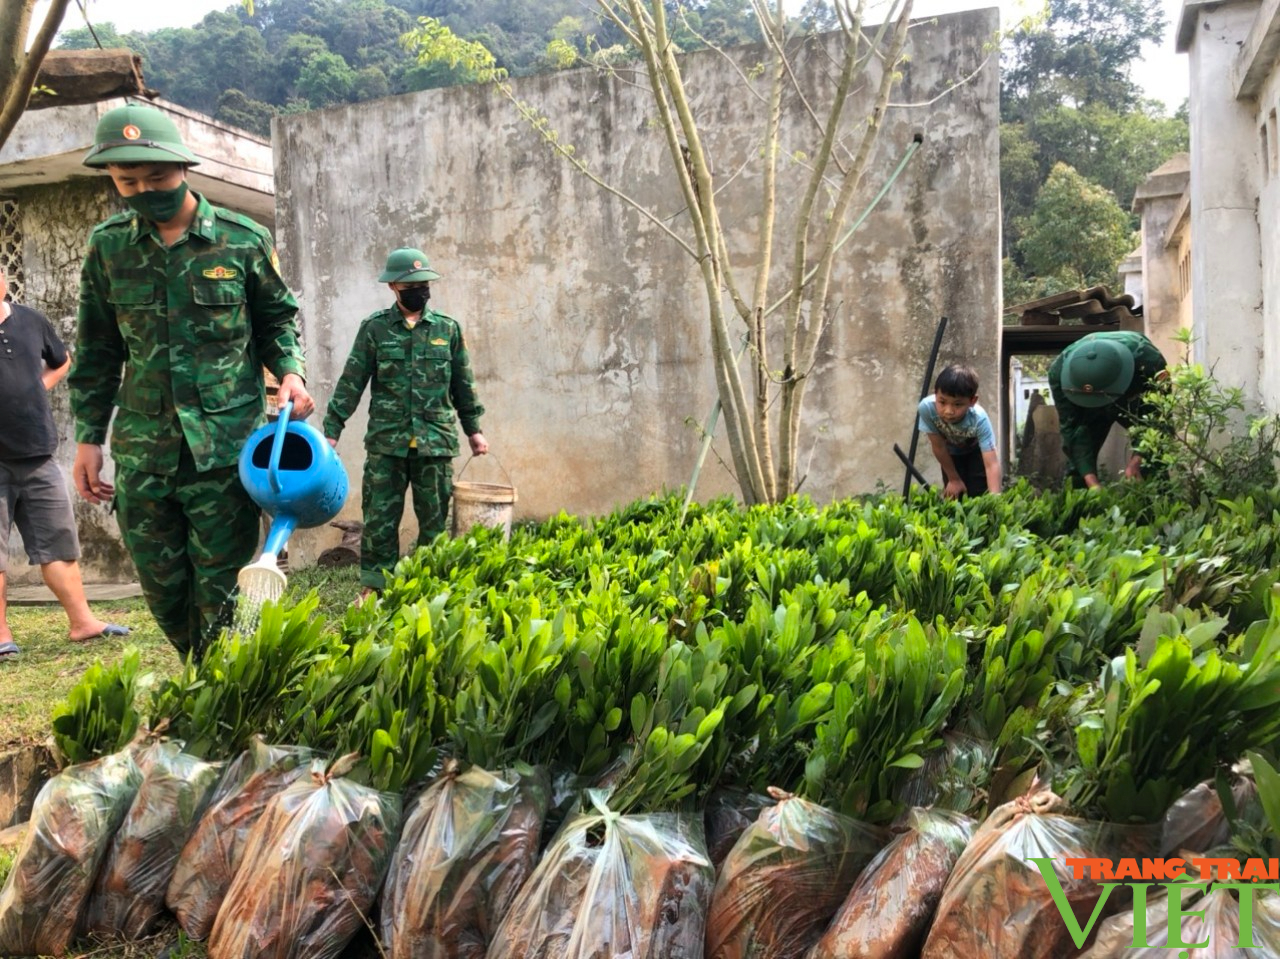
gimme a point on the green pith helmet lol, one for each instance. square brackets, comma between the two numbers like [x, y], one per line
[1097, 371]
[407, 265]
[135, 133]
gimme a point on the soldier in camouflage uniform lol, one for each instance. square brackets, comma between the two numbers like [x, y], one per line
[186, 300]
[421, 374]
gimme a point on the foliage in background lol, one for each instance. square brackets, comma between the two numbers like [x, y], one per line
[1075, 236]
[1067, 96]
[243, 65]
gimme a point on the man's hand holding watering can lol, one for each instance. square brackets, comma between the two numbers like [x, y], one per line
[292, 388]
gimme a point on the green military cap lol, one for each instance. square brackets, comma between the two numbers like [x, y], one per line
[135, 133]
[407, 265]
[1096, 371]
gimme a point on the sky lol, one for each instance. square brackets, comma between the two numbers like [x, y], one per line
[1162, 73]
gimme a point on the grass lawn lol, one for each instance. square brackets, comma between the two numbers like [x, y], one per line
[32, 684]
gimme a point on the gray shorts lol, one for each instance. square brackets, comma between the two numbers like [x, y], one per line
[34, 497]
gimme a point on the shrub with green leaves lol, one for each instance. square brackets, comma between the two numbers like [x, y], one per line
[1201, 439]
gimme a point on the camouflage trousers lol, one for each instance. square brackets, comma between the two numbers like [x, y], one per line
[189, 535]
[382, 501]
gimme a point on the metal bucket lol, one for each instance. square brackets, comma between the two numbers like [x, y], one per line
[482, 504]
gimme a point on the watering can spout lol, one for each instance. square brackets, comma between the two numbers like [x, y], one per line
[282, 528]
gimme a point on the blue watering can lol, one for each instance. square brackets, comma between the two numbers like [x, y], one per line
[291, 471]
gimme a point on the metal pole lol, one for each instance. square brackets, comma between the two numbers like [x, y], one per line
[911, 467]
[924, 391]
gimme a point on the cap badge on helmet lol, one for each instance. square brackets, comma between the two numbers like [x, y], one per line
[130, 132]
[417, 264]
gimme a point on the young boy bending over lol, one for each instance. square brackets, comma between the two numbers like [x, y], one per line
[960, 433]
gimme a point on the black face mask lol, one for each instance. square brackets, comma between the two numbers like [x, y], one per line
[415, 298]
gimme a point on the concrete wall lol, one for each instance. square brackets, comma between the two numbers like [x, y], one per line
[1226, 260]
[585, 323]
[1266, 144]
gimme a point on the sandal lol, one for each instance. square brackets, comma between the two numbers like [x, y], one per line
[9, 650]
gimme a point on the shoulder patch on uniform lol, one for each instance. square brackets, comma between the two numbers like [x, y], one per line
[124, 218]
[231, 216]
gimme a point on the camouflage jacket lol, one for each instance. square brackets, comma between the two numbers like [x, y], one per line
[191, 326]
[1084, 428]
[421, 378]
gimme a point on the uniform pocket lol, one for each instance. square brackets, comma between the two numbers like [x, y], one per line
[390, 361]
[221, 310]
[128, 295]
[139, 399]
[216, 397]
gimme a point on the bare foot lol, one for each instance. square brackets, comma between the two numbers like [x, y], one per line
[98, 630]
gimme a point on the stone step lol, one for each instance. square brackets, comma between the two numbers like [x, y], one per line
[41, 595]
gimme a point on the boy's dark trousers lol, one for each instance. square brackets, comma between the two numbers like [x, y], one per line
[972, 470]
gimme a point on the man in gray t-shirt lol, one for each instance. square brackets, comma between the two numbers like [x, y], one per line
[33, 490]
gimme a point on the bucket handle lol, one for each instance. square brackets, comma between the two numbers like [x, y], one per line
[495, 459]
[282, 427]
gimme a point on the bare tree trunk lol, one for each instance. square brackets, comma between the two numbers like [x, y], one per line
[18, 64]
[819, 307]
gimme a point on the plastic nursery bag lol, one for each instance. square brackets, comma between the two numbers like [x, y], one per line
[996, 903]
[72, 822]
[212, 854]
[313, 865]
[128, 895]
[728, 815]
[1196, 822]
[469, 843]
[1218, 928]
[613, 887]
[785, 878]
[887, 913]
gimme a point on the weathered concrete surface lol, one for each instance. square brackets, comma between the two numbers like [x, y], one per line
[1227, 246]
[585, 323]
[23, 771]
[95, 592]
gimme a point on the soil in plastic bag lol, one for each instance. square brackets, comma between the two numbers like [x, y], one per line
[613, 887]
[74, 817]
[469, 843]
[1196, 822]
[313, 865]
[1219, 927]
[128, 895]
[212, 854]
[785, 878]
[996, 903]
[728, 815]
[887, 913]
